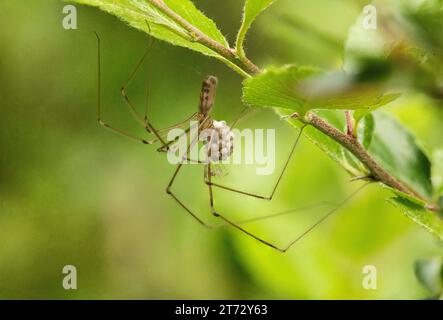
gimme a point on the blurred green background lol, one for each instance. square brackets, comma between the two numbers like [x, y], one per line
[73, 193]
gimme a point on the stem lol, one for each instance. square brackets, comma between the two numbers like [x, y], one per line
[349, 123]
[350, 143]
[226, 52]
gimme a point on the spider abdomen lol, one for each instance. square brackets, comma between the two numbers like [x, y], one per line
[220, 141]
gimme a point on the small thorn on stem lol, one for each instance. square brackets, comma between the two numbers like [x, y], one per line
[290, 116]
[432, 207]
[367, 177]
[349, 124]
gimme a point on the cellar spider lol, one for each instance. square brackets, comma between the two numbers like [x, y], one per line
[204, 120]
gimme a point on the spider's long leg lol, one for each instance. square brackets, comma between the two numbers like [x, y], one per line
[324, 204]
[229, 222]
[245, 112]
[196, 139]
[166, 145]
[266, 242]
[326, 216]
[144, 121]
[162, 134]
[137, 116]
[164, 131]
[179, 124]
[99, 108]
[184, 206]
[169, 187]
[274, 189]
[286, 212]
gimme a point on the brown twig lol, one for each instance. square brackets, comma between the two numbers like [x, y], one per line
[350, 143]
[226, 52]
[349, 123]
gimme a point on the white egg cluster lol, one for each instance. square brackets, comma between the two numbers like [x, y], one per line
[221, 143]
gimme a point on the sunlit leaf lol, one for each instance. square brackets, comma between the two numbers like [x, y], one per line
[251, 10]
[396, 149]
[429, 220]
[427, 20]
[417, 210]
[290, 88]
[437, 172]
[430, 274]
[362, 113]
[405, 49]
[366, 131]
[144, 16]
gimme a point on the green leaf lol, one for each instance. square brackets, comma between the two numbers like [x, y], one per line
[290, 87]
[251, 10]
[405, 54]
[145, 16]
[362, 113]
[437, 172]
[431, 221]
[396, 150]
[430, 274]
[366, 131]
[427, 19]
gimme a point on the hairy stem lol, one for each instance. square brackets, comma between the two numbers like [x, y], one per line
[378, 173]
[349, 123]
[226, 52]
